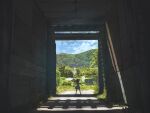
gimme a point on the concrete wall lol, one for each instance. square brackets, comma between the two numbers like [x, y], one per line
[128, 25]
[23, 54]
[5, 34]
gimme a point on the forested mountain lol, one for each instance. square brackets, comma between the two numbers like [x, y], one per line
[76, 60]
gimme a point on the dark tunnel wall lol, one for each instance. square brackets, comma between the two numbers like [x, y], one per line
[23, 54]
[127, 22]
[5, 33]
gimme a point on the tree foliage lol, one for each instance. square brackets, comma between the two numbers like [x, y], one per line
[76, 60]
[68, 72]
[94, 60]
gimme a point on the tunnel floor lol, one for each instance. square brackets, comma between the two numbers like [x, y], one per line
[76, 104]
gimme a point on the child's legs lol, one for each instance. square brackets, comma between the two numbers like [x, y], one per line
[80, 91]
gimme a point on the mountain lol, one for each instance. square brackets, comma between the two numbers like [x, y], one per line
[75, 60]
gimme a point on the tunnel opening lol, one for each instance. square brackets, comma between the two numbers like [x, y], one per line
[77, 60]
[68, 69]
[108, 88]
[86, 39]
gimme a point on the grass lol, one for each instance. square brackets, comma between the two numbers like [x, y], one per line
[88, 87]
[103, 95]
[63, 88]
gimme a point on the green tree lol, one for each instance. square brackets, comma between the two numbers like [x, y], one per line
[62, 70]
[78, 72]
[57, 77]
[94, 59]
[68, 72]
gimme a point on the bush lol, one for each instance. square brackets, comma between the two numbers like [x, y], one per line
[57, 77]
[103, 95]
[68, 72]
[96, 89]
[61, 81]
[68, 83]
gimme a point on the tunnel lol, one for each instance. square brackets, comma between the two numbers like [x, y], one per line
[28, 50]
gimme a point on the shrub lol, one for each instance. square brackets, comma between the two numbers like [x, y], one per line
[61, 81]
[57, 77]
[66, 82]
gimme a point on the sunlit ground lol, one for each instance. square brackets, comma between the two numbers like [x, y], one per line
[72, 98]
[45, 108]
[71, 90]
[89, 92]
[86, 90]
[76, 103]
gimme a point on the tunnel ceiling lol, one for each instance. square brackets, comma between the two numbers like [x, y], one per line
[74, 12]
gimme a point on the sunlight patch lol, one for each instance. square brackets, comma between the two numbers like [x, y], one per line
[76, 32]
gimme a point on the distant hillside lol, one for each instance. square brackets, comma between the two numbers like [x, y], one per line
[75, 60]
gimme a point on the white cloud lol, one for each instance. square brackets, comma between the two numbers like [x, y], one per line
[75, 46]
[85, 46]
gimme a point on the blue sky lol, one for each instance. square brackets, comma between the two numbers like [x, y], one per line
[75, 46]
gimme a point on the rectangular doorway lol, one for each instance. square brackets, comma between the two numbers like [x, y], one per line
[77, 60]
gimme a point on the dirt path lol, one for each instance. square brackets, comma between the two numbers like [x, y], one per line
[82, 92]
